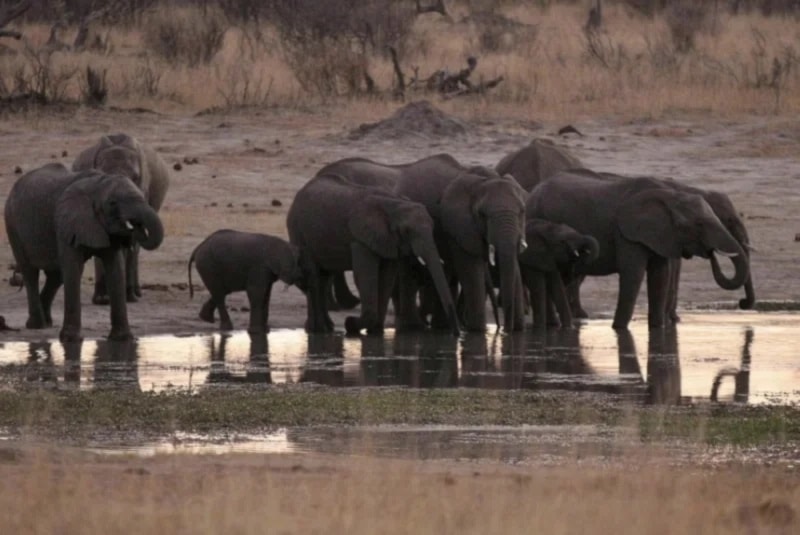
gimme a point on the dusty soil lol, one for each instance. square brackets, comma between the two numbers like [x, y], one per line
[249, 162]
[86, 493]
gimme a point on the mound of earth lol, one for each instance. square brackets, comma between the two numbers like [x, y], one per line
[416, 119]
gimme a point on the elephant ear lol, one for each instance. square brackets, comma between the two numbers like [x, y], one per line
[78, 219]
[457, 213]
[88, 158]
[540, 250]
[369, 224]
[647, 218]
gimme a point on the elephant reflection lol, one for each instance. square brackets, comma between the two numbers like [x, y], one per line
[741, 376]
[40, 366]
[325, 361]
[418, 360]
[116, 365]
[257, 369]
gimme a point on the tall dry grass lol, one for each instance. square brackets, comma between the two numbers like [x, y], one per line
[552, 69]
[49, 492]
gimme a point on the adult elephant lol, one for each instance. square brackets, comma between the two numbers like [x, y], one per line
[478, 217]
[341, 226]
[640, 225]
[121, 154]
[537, 161]
[723, 208]
[555, 252]
[57, 219]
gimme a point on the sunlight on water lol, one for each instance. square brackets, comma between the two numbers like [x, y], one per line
[750, 357]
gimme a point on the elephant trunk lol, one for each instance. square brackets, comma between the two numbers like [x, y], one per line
[739, 277]
[749, 299]
[504, 240]
[147, 228]
[589, 250]
[429, 255]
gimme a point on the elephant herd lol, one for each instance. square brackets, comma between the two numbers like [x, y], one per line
[434, 237]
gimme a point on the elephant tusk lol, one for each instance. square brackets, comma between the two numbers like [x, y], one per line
[576, 252]
[723, 253]
[750, 248]
[128, 225]
[491, 254]
[421, 261]
[522, 245]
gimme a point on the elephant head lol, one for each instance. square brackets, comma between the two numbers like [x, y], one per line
[393, 227]
[485, 215]
[675, 224]
[726, 212]
[555, 246]
[98, 211]
[119, 154]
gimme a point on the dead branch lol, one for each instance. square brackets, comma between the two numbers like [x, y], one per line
[478, 89]
[11, 13]
[400, 88]
[83, 27]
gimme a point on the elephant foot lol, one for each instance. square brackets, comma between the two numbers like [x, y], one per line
[258, 331]
[35, 323]
[121, 334]
[225, 326]
[100, 299]
[348, 303]
[674, 318]
[580, 314]
[137, 291]
[619, 326]
[410, 326]
[352, 326]
[131, 297]
[69, 336]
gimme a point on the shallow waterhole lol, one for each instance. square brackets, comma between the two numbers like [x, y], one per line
[740, 357]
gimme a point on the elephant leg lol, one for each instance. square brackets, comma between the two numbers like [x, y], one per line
[537, 288]
[316, 302]
[674, 282]
[557, 295]
[225, 323]
[469, 271]
[36, 315]
[518, 322]
[132, 289]
[626, 354]
[632, 263]
[407, 314]
[72, 262]
[366, 271]
[113, 263]
[258, 294]
[342, 294]
[100, 296]
[207, 311]
[574, 295]
[52, 283]
[658, 290]
[386, 283]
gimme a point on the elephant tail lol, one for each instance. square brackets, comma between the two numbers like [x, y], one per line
[191, 287]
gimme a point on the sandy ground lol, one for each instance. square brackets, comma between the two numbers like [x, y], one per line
[246, 161]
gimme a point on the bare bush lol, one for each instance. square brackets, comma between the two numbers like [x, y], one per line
[686, 19]
[144, 80]
[185, 37]
[244, 87]
[42, 77]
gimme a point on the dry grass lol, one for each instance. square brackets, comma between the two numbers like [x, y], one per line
[551, 72]
[57, 492]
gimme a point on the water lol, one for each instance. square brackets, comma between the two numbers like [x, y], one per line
[741, 357]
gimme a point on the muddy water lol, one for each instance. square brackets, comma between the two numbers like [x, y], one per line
[749, 358]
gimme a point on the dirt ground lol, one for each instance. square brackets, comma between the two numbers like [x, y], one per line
[249, 162]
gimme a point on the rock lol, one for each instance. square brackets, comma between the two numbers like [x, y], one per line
[177, 166]
[276, 202]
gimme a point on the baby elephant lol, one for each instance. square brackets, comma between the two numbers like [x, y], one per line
[232, 261]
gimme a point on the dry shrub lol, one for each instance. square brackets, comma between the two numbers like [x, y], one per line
[186, 36]
[41, 75]
[686, 19]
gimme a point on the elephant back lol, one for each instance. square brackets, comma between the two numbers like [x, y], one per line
[538, 161]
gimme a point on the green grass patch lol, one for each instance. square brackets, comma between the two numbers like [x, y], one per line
[75, 414]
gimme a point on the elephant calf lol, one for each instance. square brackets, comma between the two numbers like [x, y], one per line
[231, 261]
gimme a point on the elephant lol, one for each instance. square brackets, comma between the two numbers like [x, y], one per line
[121, 154]
[555, 251]
[722, 207]
[476, 214]
[340, 226]
[232, 261]
[535, 162]
[640, 224]
[57, 219]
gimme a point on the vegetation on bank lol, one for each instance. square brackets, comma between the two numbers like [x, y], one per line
[554, 59]
[75, 414]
